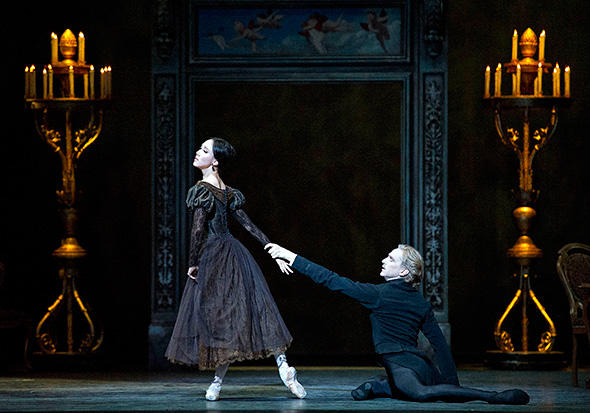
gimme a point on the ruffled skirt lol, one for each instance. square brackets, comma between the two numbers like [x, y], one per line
[228, 314]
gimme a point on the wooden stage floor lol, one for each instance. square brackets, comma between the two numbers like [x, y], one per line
[260, 389]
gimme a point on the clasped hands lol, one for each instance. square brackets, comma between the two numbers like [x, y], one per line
[282, 256]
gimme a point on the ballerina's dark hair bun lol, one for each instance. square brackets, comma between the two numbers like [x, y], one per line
[223, 151]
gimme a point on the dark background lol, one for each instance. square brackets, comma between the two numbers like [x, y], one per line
[319, 165]
[114, 173]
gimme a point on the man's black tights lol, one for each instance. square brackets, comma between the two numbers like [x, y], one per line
[408, 384]
[403, 383]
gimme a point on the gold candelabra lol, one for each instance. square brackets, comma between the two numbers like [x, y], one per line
[526, 96]
[68, 99]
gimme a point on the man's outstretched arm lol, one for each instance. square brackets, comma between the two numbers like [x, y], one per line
[366, 294]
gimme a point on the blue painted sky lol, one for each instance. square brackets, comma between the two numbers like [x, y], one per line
[218, 35]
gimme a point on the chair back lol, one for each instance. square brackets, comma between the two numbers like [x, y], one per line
[573, 267]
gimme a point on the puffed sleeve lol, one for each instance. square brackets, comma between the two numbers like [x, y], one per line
[237, 201]
[200, 197]
[200, 200]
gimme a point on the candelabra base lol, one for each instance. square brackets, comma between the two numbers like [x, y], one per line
[525, 360]
[61, 361]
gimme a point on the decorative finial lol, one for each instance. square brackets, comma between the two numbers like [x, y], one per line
[528, 43]
[68, 44]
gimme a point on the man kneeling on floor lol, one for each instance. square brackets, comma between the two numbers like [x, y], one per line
[398, 312]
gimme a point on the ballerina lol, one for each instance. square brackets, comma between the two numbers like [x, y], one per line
[227, 312]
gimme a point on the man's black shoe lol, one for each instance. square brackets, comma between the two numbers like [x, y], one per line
[363, 392]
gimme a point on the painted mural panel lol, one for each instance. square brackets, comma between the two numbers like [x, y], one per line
[294, 32]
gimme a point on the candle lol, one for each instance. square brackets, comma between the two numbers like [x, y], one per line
[109, 81]
[33, 82]
[53, 48]
[542, 46]
[44, 83]
[554, 81]
[91, 82]
[50, 82]
[518, 72]
[486, 92]
[81, 48]
[536, 87]
[558, 79]
[71, 81]
[85, 85]
[498, 79]
[540, 79]
[514, 45]
[27, 82]
[566, 77]
[102, 83]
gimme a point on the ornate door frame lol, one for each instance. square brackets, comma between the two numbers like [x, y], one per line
[422, 70]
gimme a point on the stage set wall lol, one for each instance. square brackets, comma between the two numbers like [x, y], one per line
[352, 148]
[121, 216]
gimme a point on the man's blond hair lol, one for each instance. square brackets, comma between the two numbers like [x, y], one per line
[412, 261]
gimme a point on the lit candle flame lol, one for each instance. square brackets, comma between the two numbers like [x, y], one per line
[567, 82]
[542, 46]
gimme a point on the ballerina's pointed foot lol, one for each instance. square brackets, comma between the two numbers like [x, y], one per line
[514, 396]
[289, 378]
[212, 393]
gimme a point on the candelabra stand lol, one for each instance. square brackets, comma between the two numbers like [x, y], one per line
[526, 99]
[80, 120]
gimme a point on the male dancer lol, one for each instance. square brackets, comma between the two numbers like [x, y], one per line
[398, 313]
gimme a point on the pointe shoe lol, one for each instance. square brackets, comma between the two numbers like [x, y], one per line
[212, 393]
[514, 396]
[289, 378]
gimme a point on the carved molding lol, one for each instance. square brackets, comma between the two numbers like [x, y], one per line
[433, 221]
[164, 33]
[164, 192]
[433, 26]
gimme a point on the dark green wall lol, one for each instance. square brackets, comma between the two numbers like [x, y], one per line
[319, 165]
[115, 172]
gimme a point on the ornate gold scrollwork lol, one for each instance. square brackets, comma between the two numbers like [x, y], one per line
[547, 341]
[548, 337]
[504, 341]
[46, 343]
[69, 145]
[513, 134]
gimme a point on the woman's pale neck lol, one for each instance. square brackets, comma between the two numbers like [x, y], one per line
[212, 178]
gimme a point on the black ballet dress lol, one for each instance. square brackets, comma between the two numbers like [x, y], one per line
[228, 313]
